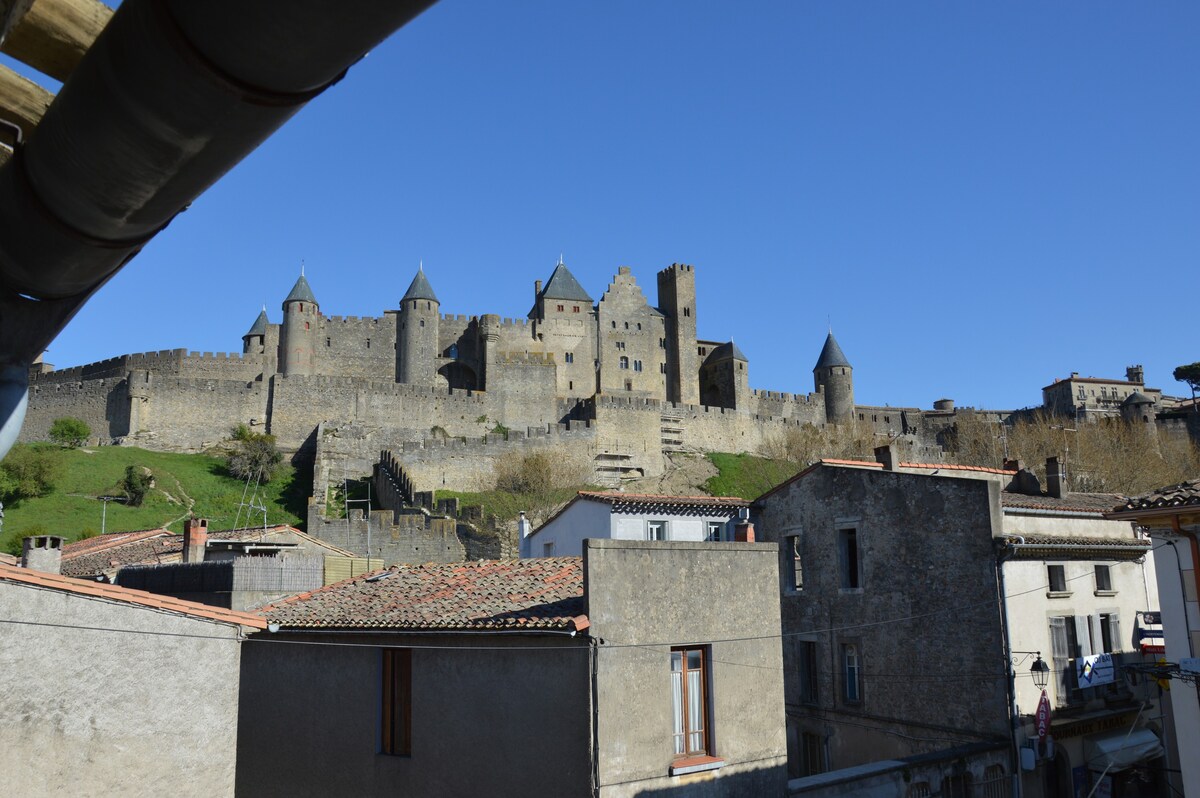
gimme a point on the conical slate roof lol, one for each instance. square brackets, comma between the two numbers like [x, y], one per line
[563, 285]
[420, 288]
[260, 325]
[301, 292]
[831, 355]
[1137, 398]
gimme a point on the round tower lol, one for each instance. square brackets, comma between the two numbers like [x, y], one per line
[1138, 412]
[300, 316]
[834, 376]
[255, 340]
[417, 339]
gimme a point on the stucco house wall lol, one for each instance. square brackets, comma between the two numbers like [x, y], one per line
[495, 714]
[111, 699]
[645, 598]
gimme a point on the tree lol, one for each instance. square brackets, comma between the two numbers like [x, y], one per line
[70, 431]
[255, 455]
[1191, 375]
[138, 481]
[28, 472]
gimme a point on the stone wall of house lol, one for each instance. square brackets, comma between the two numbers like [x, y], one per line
[81, 709]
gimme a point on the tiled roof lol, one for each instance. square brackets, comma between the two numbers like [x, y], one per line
[106, 553]
[542, 593]
[8, 559]
[260, 325]
[616, 497]
[727, 350]
[139, 598]
[1185, 494]
[954, 467]
[1070, 502]
[1065, 540]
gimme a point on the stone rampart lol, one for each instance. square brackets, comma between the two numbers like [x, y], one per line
[214, 366]
[103, 404]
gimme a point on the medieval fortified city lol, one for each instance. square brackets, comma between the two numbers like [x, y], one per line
[570, 548]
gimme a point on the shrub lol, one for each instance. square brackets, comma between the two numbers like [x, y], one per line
[70, 431]
[255, 455]
[138, 481]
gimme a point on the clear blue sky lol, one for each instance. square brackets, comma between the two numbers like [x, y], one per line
[980, 196]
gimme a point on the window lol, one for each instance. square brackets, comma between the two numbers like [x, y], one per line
[560, 308]
[629, 385]
[957, 786]
[620, 346]
[716, 530]
[396, 703]
[918, 789]
[662, 343]
[637, 365]
[807, 661]
[574, 308]
[1056, 575]
[995, 783]
[368, 343]
[548, 549]
[662, 368]
[851, 564]
[626, 325]
[687, 312]
[306, 325]
[656, 530]
[689, 683]
[1110, 632]
[328, 342]
[851, 674]
[795, 567]
[569, 357]
[624, 362]
[1103, 579]
[812, 754]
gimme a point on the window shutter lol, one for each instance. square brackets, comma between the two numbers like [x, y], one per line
[1083, 635]
[1114, 631]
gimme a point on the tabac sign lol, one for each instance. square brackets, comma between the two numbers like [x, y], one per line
[1094, 671]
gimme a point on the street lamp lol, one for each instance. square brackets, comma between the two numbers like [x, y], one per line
[1040, 671]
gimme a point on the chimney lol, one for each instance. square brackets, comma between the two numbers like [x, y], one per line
[743, 531]
[1055, 478]
[889, 456]
[42, 553]
[1013, 465]
[195, 539]
[523, 530]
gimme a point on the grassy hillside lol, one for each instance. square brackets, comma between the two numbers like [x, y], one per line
[184, 483]
[747, 476]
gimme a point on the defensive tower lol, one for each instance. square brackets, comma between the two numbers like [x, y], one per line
[300, 316]
[417, 345]
[834, 375]
[677, 301]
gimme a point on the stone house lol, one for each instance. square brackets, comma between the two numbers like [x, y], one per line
[1090, 398]
[1171, 516]
[915, 600]
[111, 691]
[630, 516]
[608, 674]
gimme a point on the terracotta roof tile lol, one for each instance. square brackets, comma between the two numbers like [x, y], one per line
[542, 593]
[1185, 494]
[1070, 502]
[141, 598]
[616, 497]
[106, 553]
[955, 467]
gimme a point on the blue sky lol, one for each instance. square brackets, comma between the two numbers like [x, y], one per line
[981, 197]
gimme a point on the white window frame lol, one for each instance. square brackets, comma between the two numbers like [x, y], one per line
[662, 524]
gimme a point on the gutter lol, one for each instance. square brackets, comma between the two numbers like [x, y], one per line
[1088, 514]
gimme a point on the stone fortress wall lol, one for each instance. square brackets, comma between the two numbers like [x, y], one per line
[617, 382]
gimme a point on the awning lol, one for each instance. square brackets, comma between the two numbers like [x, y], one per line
[1120, 751]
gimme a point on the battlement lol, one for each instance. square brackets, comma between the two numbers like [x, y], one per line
[676, 267]
[515, 324]
[777, 396]
[493, 442]
[458, 317]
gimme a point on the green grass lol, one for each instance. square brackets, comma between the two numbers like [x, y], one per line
[507, 506]
[72, 510]
[747, 476]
